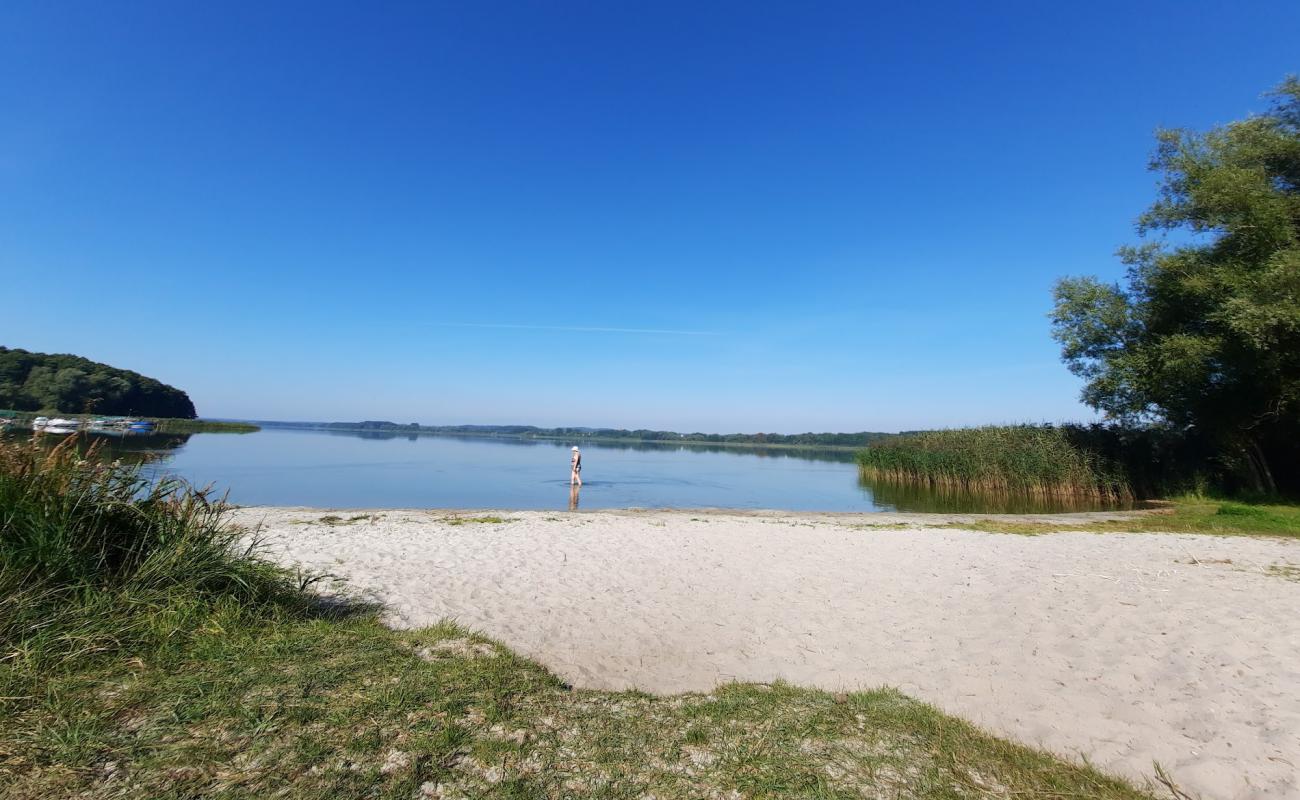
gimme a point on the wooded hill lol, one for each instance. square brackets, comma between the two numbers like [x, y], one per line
[74, 385]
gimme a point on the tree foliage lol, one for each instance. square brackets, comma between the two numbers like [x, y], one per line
[72, 385]
[1205, 336]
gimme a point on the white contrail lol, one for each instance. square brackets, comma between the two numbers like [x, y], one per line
[569, 328]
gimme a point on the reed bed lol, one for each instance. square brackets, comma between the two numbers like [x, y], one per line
[168, 425]
[1027, 460]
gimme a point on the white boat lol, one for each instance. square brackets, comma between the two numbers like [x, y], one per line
[60, 422]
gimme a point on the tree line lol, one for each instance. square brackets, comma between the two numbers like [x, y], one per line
[860, 439]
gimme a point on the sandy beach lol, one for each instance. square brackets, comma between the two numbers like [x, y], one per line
[1124, 649]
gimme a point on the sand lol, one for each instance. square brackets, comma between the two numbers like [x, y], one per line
[1124, 649]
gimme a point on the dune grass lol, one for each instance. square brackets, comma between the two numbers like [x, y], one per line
[144, 655]
[95, 558]
[1034, 460]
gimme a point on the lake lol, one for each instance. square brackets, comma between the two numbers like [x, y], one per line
[339, 469]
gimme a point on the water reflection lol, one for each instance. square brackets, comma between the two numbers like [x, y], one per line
[127, 446]
[397, 469]
[374, 435]
[907, 496]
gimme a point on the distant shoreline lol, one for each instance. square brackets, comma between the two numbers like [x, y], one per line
[595, 439]
[577, 435]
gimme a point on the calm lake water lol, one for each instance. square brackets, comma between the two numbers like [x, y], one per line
[372, 470]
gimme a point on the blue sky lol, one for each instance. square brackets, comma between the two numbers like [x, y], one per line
[721, 217]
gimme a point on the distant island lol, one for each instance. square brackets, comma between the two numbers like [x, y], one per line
[45, 382]
[855, 440]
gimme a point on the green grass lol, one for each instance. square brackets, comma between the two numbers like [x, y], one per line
[141, 656]
[1189, 514]
[1235, 517]
[93, 557]
[1033, 460]
[347, 708]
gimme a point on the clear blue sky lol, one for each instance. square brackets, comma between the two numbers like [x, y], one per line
[781, 217]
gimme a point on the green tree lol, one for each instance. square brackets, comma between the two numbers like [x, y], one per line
[1205, 336]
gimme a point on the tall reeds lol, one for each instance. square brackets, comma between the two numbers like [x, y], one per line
[96, 557]
[1030, 460]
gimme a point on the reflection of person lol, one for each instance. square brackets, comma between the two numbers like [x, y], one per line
[573, 497]
[575, 463]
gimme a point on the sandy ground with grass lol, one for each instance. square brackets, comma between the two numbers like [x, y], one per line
[1122, 649]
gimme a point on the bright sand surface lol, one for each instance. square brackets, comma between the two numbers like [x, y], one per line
[1124, 649]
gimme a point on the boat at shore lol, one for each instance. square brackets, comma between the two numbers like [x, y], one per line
[119, 424]
[55, 425]
[108, 425]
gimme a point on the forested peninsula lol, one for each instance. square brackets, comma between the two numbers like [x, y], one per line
[68, 384]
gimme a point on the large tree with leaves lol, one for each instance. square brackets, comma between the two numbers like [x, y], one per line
[1205, 336]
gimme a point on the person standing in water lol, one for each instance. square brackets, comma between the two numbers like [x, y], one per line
[575, 477]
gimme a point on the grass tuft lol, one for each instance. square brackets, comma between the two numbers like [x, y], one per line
[476, 520]
[1187, 514]
[1289, 572]
[94, 557]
